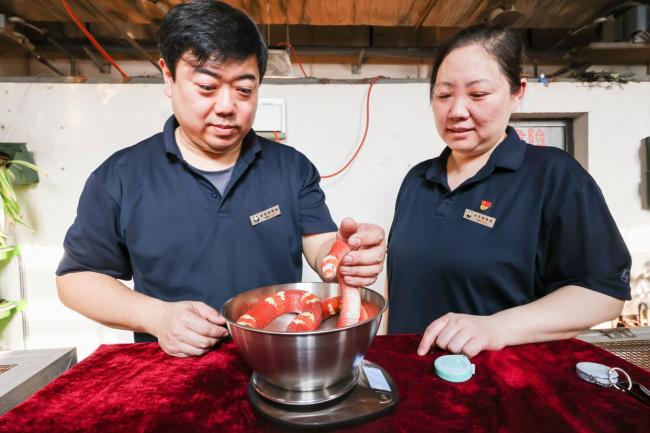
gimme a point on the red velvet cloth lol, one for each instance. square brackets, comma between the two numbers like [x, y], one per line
[530, 388]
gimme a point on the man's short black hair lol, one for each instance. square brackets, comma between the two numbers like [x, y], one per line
[210, 31]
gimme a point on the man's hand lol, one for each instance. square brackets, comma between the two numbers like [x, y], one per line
[462, 333]
[362, 265]
[188, 328]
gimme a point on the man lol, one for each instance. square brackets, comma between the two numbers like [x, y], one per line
[206, 209]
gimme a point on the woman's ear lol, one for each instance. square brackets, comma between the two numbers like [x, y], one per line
[522, 90]
[518, 97]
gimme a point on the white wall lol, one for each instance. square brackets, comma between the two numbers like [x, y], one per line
[71, 128]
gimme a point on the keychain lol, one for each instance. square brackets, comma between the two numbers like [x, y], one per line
[612, 377]
[635, 389]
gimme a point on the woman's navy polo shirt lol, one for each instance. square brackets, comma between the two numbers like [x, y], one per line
[552, 228]
[145, 213]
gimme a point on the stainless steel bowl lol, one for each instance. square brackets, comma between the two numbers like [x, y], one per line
[302, 361]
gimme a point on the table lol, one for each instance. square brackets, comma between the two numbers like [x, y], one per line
[528, 388]
[26, 371]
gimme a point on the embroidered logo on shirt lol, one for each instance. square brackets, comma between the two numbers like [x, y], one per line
[486, 204]
[625, 276]
[265, 215]
[479, 218]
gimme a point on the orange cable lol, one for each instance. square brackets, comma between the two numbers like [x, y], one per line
[90, 37]
[365, 132]
[295, 55]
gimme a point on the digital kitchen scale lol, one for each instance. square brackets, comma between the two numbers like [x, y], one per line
[366, 394]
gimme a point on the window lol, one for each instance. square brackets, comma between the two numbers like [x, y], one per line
[555, 133]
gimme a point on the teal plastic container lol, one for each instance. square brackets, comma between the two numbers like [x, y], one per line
[454, 368]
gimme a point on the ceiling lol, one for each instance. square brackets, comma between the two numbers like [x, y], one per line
[391, 13]
[562, 32]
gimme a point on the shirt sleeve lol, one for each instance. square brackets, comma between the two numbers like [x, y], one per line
[94, 241]
[314, 215]
[585, 248]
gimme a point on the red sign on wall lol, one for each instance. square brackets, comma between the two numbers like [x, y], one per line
[534, 136]
[549, 132]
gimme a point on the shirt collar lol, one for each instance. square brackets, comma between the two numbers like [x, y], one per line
[169, 138]
[511, 152]
[509, 155]
[250, 148]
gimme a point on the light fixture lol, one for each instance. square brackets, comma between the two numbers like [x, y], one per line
[504, 16]
[279, 65]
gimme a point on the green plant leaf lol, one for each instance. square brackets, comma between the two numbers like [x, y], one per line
[10, 204]
[28, 165]
[6, 189]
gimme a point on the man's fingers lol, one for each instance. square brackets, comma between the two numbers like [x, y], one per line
[198, 341]
[360, 281]
[370, 256]
[183, 350]
[189, 350]
[361, 235]
[196, 332]
[368, 235]
[187, 329]
[204, 327]
[362, 271]
[208, 313]
[347, 228]
[208, 329]
[430, 334]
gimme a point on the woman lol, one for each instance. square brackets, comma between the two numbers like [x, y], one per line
[497, 242]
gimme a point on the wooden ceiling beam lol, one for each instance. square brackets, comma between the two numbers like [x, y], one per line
[596, 54]
[566, 14]
[425, 14]
[52, 10]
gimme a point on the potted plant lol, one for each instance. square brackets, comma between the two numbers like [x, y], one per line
[11, 213]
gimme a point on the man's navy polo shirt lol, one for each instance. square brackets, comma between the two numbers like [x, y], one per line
[145, 213]
[552, 228]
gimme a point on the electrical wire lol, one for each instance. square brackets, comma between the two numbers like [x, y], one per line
[295, 55]
[90, 37]
[127, 36]
[365, 132]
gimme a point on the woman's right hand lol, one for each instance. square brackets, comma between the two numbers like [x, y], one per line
[463, 333]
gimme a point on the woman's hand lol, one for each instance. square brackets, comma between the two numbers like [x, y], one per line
[463, 333]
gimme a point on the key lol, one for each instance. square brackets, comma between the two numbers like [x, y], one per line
[626, 385]
[639, 392]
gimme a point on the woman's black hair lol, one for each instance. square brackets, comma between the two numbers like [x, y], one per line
[503, 44]
[209, 30]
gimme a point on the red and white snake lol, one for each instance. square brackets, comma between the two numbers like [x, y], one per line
[311, 310]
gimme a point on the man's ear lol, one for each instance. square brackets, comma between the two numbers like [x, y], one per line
[167, 77]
